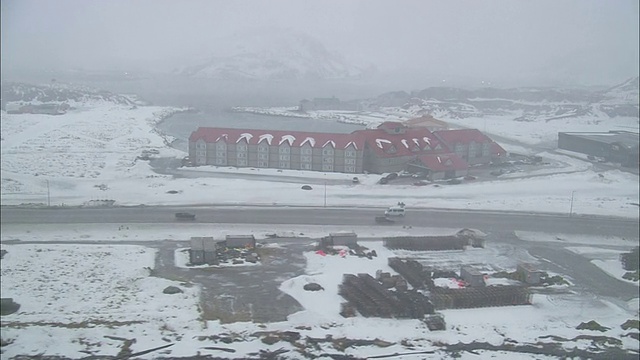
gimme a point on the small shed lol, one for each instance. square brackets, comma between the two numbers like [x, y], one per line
[530, 274]
[240, 241]
[472, 276]
[349, 239]
[203, 251]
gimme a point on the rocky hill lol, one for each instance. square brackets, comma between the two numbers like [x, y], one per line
[58, 93]
[522, 103]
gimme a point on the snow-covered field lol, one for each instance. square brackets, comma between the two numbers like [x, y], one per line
[88, 299]
[72, 296]
[90, 154]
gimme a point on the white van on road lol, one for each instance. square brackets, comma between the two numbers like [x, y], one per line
[394, 211]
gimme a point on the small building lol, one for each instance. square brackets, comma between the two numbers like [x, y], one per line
[472, 146]
[472, 276]
[203, 251]
[615, 146]
[240, 241]
[427, 121]
[349, 239]
[530, 274]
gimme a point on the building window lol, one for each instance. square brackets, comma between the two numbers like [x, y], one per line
[284, 164]
[263, 164]
[201, 146]
[284, 157]
[221, 146]
[263, 148]
[305, 166]
[201, 153]
[305, 158]
[350, 153]
[263, 156]
[221, 154]
[307, 151]
[350, 161]
[328, 160]
[242, 162]
[241, 147]
[485, 149]
[350, 169]
[241, 155]
[221, 161]
[327, 151]
[284, 150]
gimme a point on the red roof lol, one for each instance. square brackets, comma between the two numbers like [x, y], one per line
[391, 125]
[273, 137]
[443, 162]
[413, 142]
[464, 136]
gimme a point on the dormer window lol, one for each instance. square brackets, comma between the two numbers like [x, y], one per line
[391, 150]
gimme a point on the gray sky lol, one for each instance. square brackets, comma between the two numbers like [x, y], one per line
[583, 42]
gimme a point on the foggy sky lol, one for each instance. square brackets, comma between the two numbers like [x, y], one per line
[581, 42]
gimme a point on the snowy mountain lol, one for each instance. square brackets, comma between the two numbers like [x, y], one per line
[274, 54]
[523, 104]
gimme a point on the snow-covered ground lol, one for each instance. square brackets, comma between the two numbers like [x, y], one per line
[80, 299]
[74, 295]
[91, 154]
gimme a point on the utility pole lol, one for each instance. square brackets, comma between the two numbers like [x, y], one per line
[325, 193]
[571, 208]
[48, 195]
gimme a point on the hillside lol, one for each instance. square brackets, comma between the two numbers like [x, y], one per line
[57, 93]
[523, 103]
[273, 54]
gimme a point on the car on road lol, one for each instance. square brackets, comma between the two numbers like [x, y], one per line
[185, 216]
[395, 211]
[306, 187]
[355, 180]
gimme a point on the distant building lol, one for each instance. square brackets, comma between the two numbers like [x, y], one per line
[530, 274]
[332, 103]
[427, 121]
[203, 251]
[391, 147]
[615, 146]
[240, 241]
[472, 146]
[340, 239]
[47, 109]
[472, 276]
[295, 150]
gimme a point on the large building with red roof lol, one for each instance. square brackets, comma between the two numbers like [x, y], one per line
[277, 149]
[390, 147]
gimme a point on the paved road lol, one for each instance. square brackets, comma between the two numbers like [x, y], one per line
[485, 221]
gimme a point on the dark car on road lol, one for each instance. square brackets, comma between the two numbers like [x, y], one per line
[383, 220]
[185, 216]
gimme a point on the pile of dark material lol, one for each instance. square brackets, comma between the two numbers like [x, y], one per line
[465, 298]
[630, 261]
[426, 243]
[413, 272]
[371, 299]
